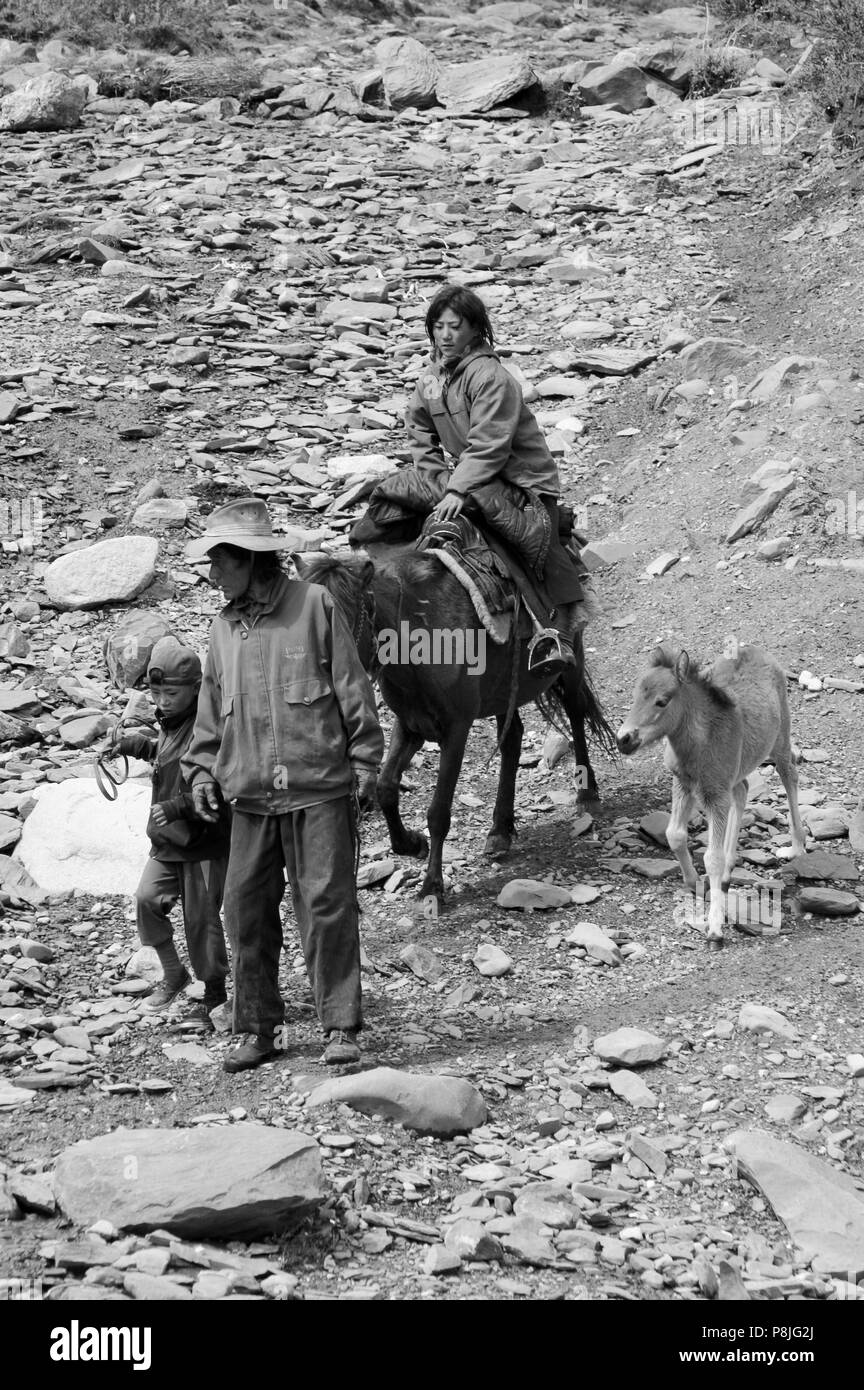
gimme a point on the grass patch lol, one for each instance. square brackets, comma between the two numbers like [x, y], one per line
[172, 26]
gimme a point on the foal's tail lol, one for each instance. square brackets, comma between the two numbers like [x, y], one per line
[552, 705]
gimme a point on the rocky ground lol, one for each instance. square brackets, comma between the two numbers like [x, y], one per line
[203, 300]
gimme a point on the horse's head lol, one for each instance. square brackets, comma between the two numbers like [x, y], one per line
[347, 578]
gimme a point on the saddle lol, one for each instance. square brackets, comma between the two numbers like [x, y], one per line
[484, 547]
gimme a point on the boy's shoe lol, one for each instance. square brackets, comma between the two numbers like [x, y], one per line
[250, 1054]
[341, 1047]
[166, 992]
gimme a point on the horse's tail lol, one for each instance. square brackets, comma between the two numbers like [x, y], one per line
[551, 705]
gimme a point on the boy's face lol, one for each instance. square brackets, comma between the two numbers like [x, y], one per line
[173, 699]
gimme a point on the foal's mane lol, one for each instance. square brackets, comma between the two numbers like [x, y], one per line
[697, 674]
[344, 576]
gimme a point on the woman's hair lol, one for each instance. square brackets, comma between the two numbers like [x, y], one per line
[266, 563]
[464, 302]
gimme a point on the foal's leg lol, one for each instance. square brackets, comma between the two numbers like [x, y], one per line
[715, 859]
[500, 836]
[676, 833]
[733, 825]
[403, 746]
[788, 774]
[438, 818]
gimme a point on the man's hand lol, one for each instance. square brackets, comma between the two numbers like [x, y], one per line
[157, 815]
[449, 507]
[366, 781]
[205, 800]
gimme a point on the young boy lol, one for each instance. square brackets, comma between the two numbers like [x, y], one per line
[189, 856]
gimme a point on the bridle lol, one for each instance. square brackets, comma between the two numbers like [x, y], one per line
[364, 630]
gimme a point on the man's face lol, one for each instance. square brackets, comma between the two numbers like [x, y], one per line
[229, 571]
[173, 699]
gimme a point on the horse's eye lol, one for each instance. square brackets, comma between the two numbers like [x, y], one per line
[662, 702]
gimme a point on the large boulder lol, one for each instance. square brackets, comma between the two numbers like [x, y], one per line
[112, 571]
[127, 649]
[51, 101]
[409, 72]
[210, 1182]
[75, 838]
[620, 86]
[431, 1104]
[470, 88]
[821, 1208]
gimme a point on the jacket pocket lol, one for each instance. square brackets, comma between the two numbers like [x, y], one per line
[312, 720]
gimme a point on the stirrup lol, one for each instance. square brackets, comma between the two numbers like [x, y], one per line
[551, 651]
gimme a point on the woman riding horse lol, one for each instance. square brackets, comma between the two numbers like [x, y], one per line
[466, 403]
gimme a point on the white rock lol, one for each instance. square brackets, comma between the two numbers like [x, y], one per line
[531, 892]
[492, 961]
[630, 1047]
[758, 1018]
[108, 572]
[75, 838]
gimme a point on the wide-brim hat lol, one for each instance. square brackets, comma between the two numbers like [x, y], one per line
[244, 523]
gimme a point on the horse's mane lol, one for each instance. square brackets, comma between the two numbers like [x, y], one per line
[340, 574]
[697, 674]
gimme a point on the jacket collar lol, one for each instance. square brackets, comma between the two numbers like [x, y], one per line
[449, 374]
[244, 610]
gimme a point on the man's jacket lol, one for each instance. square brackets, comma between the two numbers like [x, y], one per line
[285, 710]
[476, 414]
[186, 837]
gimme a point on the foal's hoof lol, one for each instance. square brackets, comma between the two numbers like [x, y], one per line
[714, 943]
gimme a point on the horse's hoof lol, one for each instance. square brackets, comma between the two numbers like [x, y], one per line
[497, 846]
[714, 943]
[432, 900]
[414, 845]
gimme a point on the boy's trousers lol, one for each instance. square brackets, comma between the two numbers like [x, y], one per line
[199, 886]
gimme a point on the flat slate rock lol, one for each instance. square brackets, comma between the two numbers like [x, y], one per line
[828, 902]
[213, 1181]
[428, 1103]
[821, 864]
[821, 1208]
[530, 892]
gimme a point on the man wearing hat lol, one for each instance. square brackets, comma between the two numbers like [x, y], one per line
[287, 729]
[188, 856]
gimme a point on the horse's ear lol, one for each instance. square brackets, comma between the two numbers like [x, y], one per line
[682, 667]
[297, 561]
[662, 656]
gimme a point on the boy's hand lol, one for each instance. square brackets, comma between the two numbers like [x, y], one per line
[158, 816]
[205, 800]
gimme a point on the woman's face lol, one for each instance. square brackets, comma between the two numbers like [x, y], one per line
[452, 335]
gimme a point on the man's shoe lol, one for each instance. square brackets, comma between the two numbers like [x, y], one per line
[341, 1048]
[250, 1054]
[166, 992]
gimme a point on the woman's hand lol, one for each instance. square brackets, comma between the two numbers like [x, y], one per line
[449, 507]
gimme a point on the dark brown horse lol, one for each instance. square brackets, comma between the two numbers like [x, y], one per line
[390, 603]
